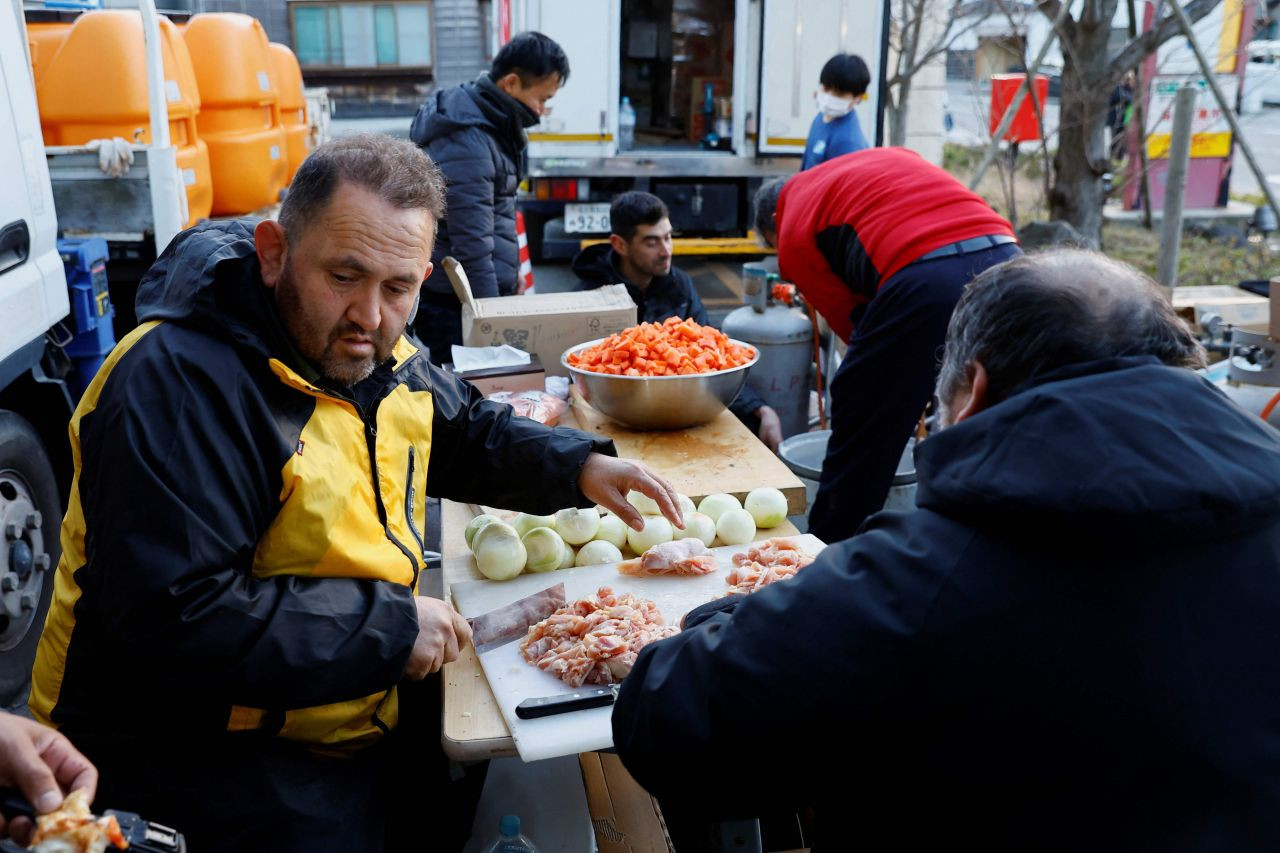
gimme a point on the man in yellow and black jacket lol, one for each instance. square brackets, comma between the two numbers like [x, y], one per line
[235, 604]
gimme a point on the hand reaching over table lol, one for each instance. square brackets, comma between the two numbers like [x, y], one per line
[606, 480]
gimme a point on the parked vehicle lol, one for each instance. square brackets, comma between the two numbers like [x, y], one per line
[1262, 77]
[707, 132]
[47, 349]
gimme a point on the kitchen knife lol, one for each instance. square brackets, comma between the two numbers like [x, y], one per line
[596, 696]
[506, 624]
[142, 835]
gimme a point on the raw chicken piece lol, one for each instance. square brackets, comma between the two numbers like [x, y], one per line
[681, 557]
[594, 640]
[764, 563]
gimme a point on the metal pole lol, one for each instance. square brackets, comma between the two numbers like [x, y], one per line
[1184, 107]
[1023, 88]
[1228, 111]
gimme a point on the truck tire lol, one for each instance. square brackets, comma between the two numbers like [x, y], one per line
[30, 513]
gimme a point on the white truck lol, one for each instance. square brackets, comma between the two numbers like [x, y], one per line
[723, 96]
[45, 191]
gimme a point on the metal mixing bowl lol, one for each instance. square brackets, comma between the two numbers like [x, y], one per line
[659, 402]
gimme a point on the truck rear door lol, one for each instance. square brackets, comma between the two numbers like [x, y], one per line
[798, 37]
[584, 113]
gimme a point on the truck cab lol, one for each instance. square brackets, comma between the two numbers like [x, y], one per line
[35, 404]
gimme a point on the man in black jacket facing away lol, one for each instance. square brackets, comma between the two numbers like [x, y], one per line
[1071, 644]
[639, 255]
[476, 135]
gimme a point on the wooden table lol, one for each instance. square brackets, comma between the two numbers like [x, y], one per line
[722, 456]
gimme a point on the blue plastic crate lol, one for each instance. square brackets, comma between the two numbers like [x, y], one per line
[85, 263]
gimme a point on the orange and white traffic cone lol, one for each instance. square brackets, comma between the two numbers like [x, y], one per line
[524, 282]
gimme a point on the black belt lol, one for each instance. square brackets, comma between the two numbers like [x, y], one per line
[964, 247]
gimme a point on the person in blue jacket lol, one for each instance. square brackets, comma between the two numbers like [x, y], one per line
[475, 133]
[638, 255]
[835, 129]
[1071, 644]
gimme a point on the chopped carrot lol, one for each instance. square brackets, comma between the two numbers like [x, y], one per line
[673, 347]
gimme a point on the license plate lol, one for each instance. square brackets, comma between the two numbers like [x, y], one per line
[586, 218]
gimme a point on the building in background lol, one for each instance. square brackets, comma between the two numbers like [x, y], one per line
[375, 58]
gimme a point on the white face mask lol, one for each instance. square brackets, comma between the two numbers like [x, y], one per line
[833, 107]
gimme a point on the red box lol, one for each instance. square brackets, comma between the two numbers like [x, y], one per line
[1024, 127]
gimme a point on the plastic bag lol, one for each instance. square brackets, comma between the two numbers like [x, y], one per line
[537, 405]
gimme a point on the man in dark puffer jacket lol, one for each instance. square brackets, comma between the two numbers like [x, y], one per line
[476, 134]
[1070, 645]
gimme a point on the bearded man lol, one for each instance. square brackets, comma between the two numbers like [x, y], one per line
[235, 617]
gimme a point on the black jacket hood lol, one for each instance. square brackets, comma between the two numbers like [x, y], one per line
[480, 104]
[1102, 453]
[209, 278]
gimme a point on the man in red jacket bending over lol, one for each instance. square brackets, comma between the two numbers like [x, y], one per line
[881, 243]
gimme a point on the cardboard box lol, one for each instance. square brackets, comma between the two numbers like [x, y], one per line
[516, 377]
[543, 324]
[1235, 306]
[626, 819]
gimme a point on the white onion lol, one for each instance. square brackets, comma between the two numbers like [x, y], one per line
[644, 504]
[686, 504]
[500, 555]
[475, 524]
[736, 527]
[525, 522]
[480, 534]
[568, 556]
[697, 525]
[656, 531]
[544, 548]
[767, 506]
[612, 529]
[576, 526]
[597, 551]
[716, 505]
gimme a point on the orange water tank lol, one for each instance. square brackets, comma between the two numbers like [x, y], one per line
[45, 39]
[293, 106]
[240, 114]
[95, 86]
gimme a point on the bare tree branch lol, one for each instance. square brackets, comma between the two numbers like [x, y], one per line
[1139, 48]
[1051, 9]
[942, 45]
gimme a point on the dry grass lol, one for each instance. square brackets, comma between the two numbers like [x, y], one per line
[1200, 261]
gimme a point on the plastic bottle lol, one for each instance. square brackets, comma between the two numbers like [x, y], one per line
[509, 839]
[626, 125]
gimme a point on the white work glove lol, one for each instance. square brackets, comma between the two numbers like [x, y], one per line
[115, 155]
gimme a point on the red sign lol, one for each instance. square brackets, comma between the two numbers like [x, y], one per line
[1024, 127]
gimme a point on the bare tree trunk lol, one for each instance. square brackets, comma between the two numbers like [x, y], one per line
[1082, 157]
[898, 114]
[1088, 75]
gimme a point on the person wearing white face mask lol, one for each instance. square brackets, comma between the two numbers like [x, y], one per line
[835, 129]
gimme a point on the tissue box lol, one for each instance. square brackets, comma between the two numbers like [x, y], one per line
[514, 377]
[541, 324]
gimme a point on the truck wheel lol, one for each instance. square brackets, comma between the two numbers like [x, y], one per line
[29, 519]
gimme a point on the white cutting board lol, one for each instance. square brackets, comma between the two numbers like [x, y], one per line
[514, 680]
